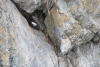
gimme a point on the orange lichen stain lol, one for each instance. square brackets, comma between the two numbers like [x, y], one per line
[74, 9]
[56, 18]
[11, 33]
[23, 60]
[34, 0]
[83, 4]
[3, 35]
[59, 18]
[59, 60]
[64, 17]
[16, 14]
[4, 57]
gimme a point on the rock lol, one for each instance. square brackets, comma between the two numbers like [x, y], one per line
[96, 38]
[70, 26]
[21, 45]
[64, 62]
[86, 55]
[70, 19]
[31, 5]
[65, 45]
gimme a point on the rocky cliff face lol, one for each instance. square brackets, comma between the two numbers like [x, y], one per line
[20, 45]
[49, 33]
[73, 24]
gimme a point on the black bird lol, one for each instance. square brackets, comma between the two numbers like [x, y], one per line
[28, 17]
[33, 23]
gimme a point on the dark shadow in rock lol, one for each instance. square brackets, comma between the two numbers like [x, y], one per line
[38, 20]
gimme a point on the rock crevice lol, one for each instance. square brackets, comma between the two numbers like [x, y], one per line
[49, 33]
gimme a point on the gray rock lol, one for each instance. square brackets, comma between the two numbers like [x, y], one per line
[86, 55]
[21, 45]
[71, 20]
[73, 25]
[31, 5]
[64, 62]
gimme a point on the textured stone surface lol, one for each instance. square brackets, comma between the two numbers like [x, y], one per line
[73, 25]
[86, 55]
[31, 5]
[20, 45]
[70, 24]
[64, 62]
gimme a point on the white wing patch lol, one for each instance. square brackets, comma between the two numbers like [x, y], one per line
[34, 24]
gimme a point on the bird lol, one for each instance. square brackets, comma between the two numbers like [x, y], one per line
[34, 24]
